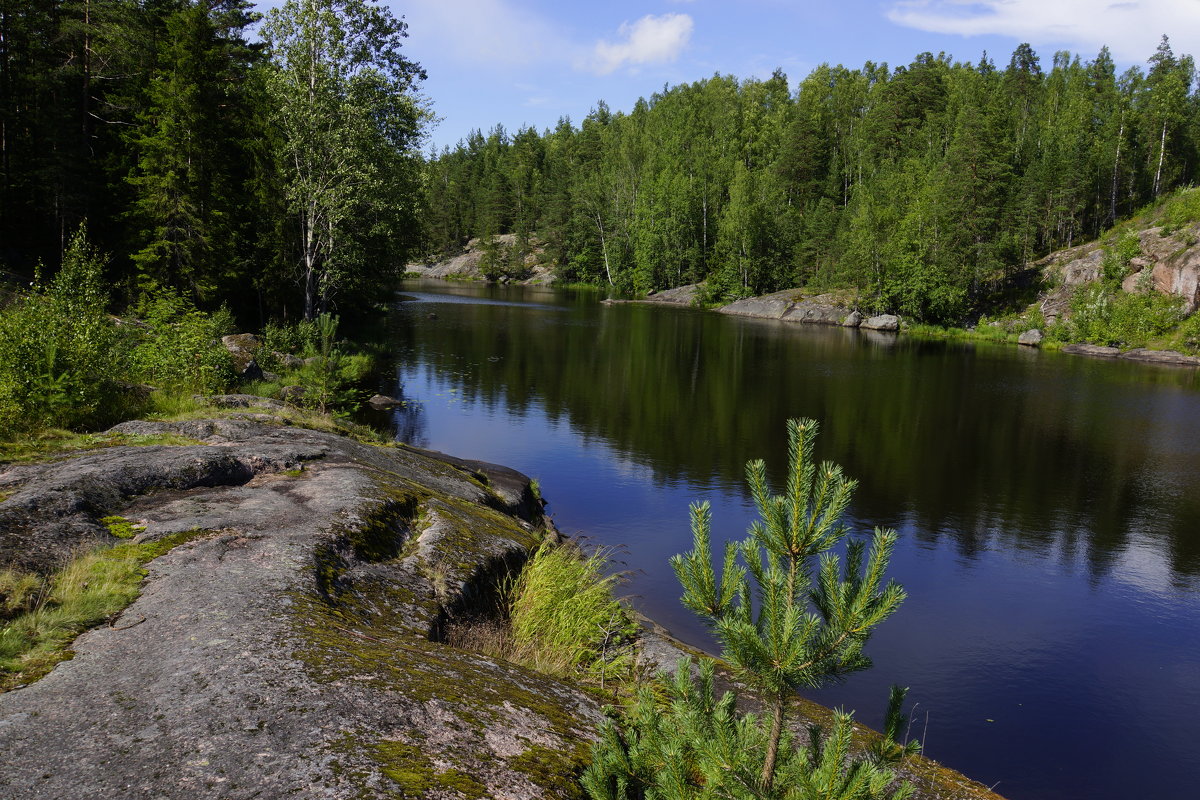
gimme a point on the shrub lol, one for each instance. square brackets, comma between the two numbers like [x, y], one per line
[180, 351]
[788, 613]
[1101, 315]
[298, 339]
[60, 355]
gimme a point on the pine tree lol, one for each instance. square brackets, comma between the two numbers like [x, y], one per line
[788, 613]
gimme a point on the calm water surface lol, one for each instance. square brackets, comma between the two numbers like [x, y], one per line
[1048, 505]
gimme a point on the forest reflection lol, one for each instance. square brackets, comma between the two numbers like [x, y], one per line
[989, 447]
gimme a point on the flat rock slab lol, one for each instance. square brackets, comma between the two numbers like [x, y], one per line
[1095, 350]
[290, 649]
[1171, 357]
[791, 306]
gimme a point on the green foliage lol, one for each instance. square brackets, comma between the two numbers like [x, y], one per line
[179, 350]
[1187, 338]
[347, 119]
[1115, 265]
[894, 746]
[329, 375]
[680, 741]
[1180, 210]
[927, 188]
[788, 613]
[1104, 316]
[564, 617]
[59, 352]
[300, 338]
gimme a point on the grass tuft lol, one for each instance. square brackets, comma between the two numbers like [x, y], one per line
[565, 618]
[42, 616]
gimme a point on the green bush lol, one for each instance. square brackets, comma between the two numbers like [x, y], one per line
[1104, 316]
[1115, 265]
[788, 613]
[298, 339]
[179, 351]
[1182, 209]
[60, 355]
[1188, 335]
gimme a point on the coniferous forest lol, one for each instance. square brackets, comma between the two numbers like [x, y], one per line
[275, 173]
[923, 188]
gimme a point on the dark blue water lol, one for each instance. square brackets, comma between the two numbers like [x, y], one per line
[1048, 505]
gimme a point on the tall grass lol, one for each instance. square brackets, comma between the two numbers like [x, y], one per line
[558, 615]
[42, 616]
[565, 617]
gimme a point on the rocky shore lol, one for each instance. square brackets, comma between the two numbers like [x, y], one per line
[293, 646]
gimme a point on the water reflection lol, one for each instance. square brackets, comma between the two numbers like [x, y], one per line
[1030, 451]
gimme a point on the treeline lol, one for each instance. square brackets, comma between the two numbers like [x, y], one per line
[276, 177]
[923, 189]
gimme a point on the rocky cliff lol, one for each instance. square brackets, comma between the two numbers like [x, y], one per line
[469, 263]
[1164, 259]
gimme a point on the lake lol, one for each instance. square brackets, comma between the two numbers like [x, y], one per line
[1048, 505]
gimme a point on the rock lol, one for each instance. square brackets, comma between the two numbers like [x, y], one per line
[251, 372]
[287, 360]
[1161, 357]
[1168, 263]
[242, 347]
[768, 306]
[815, 311]
[680, 295]
[293, 650]
[852, 320]
[791, 306]
[291, 394]
[1030, 338]
[882, 322]
[1092, 350]
[383, 401]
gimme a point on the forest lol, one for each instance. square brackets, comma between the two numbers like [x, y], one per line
[272, 168]
[921, 189]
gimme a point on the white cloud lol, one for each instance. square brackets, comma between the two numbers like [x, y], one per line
[650, 40]
[1131, 28]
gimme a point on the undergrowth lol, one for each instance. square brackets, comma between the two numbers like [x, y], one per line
[565, 616]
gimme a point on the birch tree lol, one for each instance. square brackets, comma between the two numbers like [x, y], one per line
[349, 123]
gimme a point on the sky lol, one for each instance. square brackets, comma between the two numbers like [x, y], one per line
[521, 63]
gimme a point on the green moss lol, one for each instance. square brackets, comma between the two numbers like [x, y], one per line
[415, 773]
[122, 528]
[545, 766]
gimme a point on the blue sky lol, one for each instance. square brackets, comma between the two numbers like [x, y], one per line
[530, 62]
